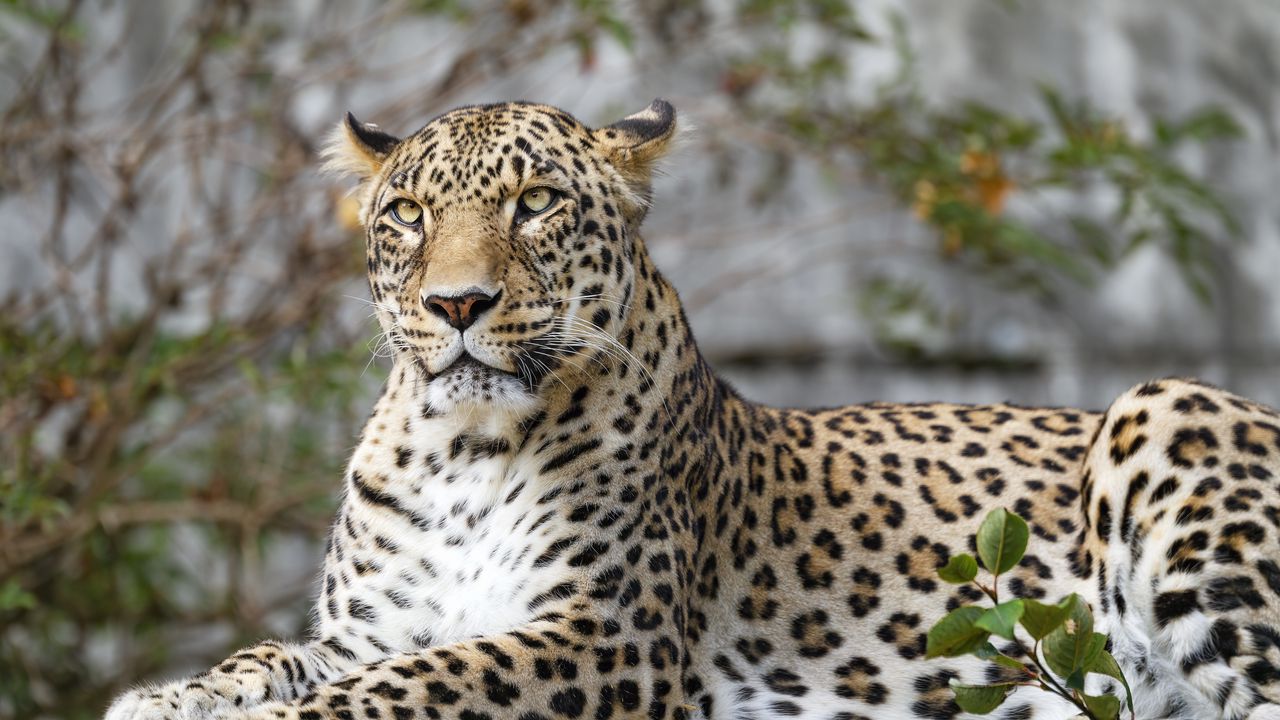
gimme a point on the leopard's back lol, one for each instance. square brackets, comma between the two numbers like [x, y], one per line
[1163, 514]
[828, 540]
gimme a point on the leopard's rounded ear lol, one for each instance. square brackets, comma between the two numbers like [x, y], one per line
[641, 138]
[356, 148]
[636, 143]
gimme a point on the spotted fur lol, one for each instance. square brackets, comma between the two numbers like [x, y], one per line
[559, 511]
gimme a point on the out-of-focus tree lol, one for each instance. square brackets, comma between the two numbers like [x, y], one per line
[181, 370]
[957, 167]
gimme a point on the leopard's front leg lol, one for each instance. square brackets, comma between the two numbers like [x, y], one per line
[269, 671]
[558, 666]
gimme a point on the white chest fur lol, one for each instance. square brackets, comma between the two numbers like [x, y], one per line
[437, 542]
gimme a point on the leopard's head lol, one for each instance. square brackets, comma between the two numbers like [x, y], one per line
[502, 242]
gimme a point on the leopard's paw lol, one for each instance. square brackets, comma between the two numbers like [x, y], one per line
[1265, 711]
[214, 696]
[273, 711]
[147, 703]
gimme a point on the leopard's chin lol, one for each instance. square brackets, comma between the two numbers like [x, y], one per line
[469, 386]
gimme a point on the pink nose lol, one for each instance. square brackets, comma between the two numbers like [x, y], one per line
[460, 311]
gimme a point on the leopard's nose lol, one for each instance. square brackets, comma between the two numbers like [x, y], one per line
[462, 310]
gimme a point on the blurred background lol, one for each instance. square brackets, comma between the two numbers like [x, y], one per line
[975, 200]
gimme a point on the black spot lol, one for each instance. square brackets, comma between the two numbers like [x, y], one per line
[404, 456]
[1104, 519]
[1170, 606]
[440, 694]
[360, 610]
[1271, 574]
[1230, 593]
[568, 703]
[1164, 490]
[498, 691]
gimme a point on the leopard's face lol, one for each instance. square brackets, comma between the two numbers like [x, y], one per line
[501, 241]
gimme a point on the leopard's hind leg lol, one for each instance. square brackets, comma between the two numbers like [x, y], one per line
[1183, 538]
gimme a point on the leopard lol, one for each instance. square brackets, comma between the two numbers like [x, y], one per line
[557, 509]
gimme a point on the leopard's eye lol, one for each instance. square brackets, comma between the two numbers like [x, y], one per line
[535, 200]
[406, 212]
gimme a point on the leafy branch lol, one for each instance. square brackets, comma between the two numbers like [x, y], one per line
[1064, 649]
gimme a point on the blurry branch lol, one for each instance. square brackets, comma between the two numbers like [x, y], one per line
[778, 257]
[113, 518]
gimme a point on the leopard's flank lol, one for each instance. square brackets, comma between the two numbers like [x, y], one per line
[556, 509]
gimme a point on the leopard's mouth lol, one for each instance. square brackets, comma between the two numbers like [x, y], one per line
[470, 383]
[524, 370]
[467, 362]
[468, 367]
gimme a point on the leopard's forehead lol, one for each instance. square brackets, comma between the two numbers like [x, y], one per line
[498, 119]
[478, 151]
[501, 129]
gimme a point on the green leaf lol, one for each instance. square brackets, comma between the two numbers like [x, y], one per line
[956, 634]
[1105, 664]
[1002, 539]
[1103, 707]
[1039, 619]
[620, 31]
[1097, 645]
[989, 652]
[1001, 619]
[13, 597]
[1075, 680]
[1012, 663]
[1056, 106]
[980, 699]
[960, 569]
[1095, 239]
[1066, 648]
[1206, 124]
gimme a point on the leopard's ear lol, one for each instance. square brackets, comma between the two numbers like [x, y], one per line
[643, 136]
[356, 148]
[635, 143]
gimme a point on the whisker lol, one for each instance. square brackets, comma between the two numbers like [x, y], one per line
[597, 296]
[577, 343]
[582, 326]
[547, 370]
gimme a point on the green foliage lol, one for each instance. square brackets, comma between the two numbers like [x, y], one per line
[13, 597]
[1034, 204]
[1065, 647]
[959, 168]
[1071, 645]
[90, 537]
